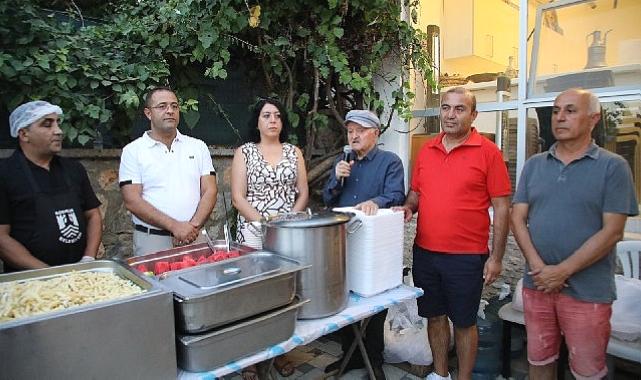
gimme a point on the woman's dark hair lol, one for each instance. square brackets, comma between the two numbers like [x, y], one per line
[254, 133]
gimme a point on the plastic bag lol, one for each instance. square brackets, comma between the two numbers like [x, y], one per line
[626, 309]
[517, 301]
[406, 335]
[481, 312]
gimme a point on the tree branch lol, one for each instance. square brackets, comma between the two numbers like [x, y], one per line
[82, 19]
[330, 101]
[311, 130]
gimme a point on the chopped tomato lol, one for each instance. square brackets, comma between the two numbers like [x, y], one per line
[142, 268]
[189, 262]
[222, 253]
[201, 260]
[177, 265]
[161, 267]
[233, 253]
[219, 256]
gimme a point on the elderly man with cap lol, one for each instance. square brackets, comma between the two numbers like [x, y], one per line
[368, 178]
[49, 213]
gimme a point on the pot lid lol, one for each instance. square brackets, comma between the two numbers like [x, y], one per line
[307, 220]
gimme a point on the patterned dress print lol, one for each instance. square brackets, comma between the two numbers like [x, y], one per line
[270, 190]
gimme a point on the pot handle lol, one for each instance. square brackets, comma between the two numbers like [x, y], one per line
[255, 230]
[354, 226]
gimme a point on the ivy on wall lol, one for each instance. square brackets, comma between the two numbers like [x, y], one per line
[320, 57]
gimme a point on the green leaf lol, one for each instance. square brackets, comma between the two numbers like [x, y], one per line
[191, 118]
[206, 40]
[302, 101]
[92, 111]
[83, 139]
[303, 32]
[338, 32]
[281, 41]
[71, 133]
[294, 119]
[61, 79]
[17, 65]
[164, 42]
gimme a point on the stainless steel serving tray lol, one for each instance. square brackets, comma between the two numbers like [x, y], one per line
[106, 266]
[210, 350]
[115, 339]
[211, 295]
[178, 253]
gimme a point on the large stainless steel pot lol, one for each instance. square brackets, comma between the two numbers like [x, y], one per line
[317, 240]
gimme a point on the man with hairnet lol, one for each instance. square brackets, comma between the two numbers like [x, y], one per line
[49, 213]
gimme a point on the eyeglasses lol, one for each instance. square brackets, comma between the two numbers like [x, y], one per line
[165, 106]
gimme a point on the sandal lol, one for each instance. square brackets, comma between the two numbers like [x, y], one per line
[249, 373]
[284, 366]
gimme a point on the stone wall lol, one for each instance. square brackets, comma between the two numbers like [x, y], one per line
[102, 168]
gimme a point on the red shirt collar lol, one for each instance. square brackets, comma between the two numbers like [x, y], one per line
[474, 139]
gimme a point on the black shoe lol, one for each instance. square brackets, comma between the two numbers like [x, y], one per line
[335, 366]
[379, 374]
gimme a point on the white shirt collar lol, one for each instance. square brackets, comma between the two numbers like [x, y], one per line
[151, 142]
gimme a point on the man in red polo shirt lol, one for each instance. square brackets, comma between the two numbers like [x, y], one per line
[455, 179]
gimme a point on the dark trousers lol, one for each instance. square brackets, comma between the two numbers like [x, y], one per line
[374, 342]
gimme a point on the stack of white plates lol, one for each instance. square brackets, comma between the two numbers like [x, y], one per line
[375, 252]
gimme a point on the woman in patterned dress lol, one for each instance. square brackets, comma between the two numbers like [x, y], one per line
[268, 177]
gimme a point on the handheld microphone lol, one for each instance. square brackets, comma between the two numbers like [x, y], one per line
[347, 152]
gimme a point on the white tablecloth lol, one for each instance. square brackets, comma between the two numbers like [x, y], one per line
[307, 331]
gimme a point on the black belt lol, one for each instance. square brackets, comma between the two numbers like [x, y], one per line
[151, 231]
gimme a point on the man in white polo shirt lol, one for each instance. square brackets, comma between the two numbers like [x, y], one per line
[167, 179]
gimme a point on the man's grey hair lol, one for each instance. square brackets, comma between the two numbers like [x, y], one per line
[593, 100]
[594, 106]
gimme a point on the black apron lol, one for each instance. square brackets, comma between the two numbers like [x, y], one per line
[60, 229]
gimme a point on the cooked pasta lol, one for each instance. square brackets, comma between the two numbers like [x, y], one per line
[20, 299]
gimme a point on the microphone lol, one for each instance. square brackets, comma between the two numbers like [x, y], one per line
[347, 152]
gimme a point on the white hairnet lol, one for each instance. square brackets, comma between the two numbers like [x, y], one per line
[27, 113]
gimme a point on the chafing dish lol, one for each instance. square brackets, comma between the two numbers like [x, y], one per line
[114, 339]
[210, 350]
[179, 253]
[215, 294]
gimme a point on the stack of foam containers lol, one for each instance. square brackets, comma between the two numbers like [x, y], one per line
[374, 255]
